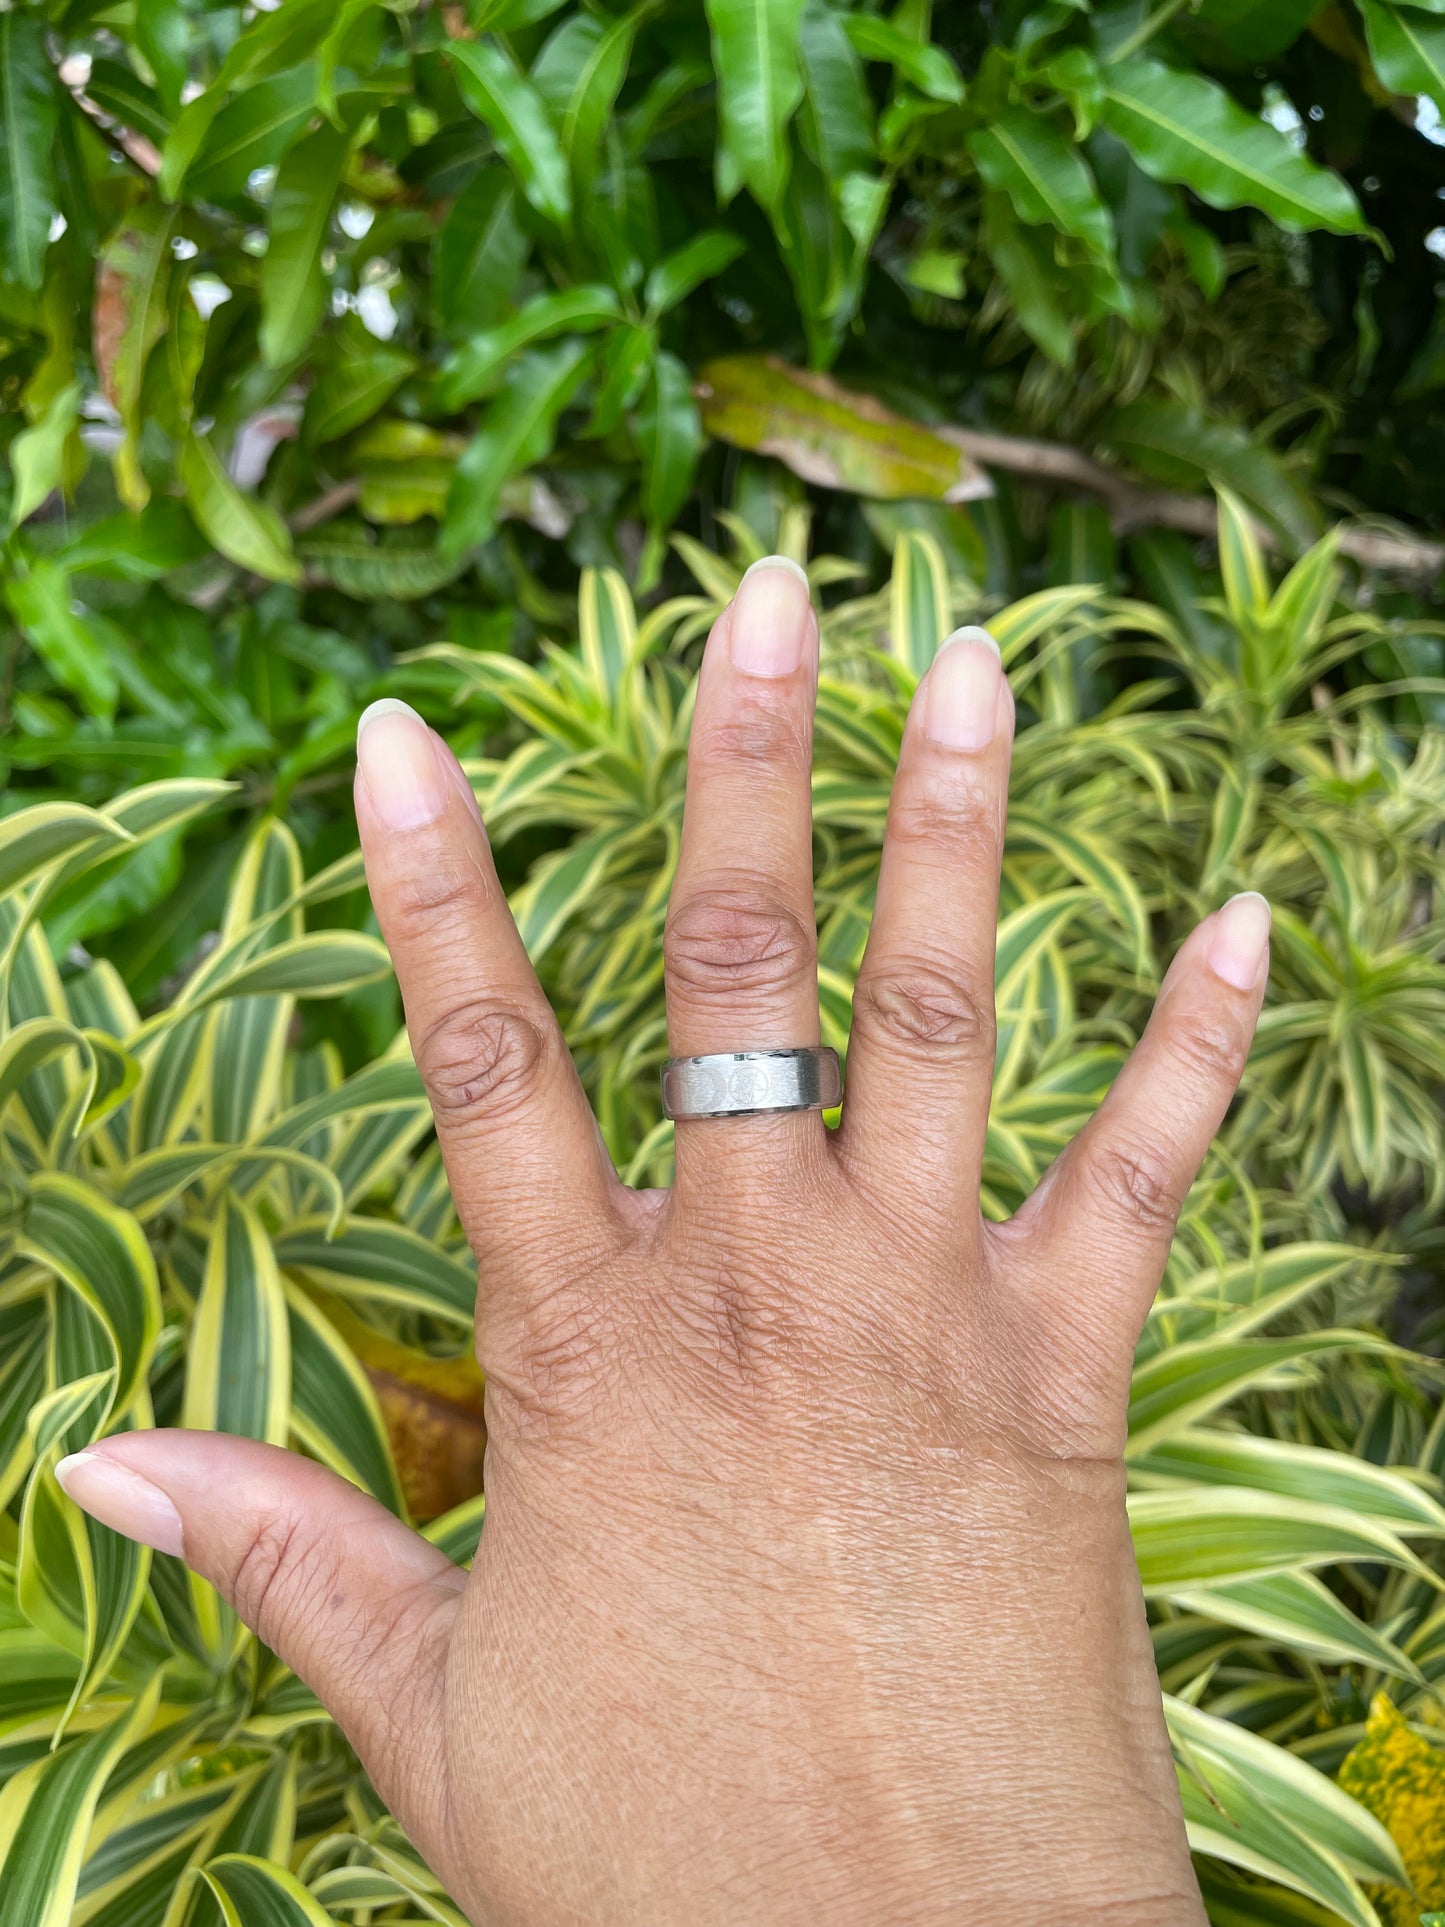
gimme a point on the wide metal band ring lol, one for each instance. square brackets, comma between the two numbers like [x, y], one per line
[741, 1083]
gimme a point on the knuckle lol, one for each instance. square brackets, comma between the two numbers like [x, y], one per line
[448, 888]
[1208, 1048]
[925, 1012]
[771, 732]
[721, 942]
[272, 1564]
[960, 824]
[482, 1058]
[1139, 1185]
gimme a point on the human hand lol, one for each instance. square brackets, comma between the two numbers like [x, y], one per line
[806, 1589]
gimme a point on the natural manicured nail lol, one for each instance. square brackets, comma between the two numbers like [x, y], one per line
[1240, 940]
[450, 762]
[121, 1499]
[965, 683]
[403, 776]
[772, 615]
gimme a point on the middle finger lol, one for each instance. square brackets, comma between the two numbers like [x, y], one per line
[741, 943]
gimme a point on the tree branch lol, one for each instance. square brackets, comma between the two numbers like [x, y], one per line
[1133, 506]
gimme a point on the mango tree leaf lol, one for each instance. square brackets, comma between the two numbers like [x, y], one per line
[518, 429]
[293, 286]
[1022, 262]
[38, 453]
[253, 130]
[1182, 127]
[929, 68]
[839, 116]
[132, 302]
[1027, 157]
[480, 253]
[669, 433]
[29, 116]
[1180, 445]
[696, 261]
[352, 390]
[479, 365]
[595, 90]
[830, 435]
[75, 654]
[760, 83]
[511, 108]
[1408, 49]
[247, 531]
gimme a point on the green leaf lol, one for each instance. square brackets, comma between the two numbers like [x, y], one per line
[1022, 261]
[1408, 49]
[1247, 1776]
[33, 839]
[1185, 1382]
[480, 253]
[669, 434]
[258, 1893]
[353, 390]
[371, 1258]
[40, 600]
[238, 1367]
[1197, 1537]
[511, 108]
[1181, 127]
[755, 55]
[334, 1411]
[293, 284]
[518, 430]
[477, 368]
[1305, 1471]
[1027, 157]
[1296, 1610]
[920, 613]
[46, 1813]
[698, 260]
[929, 68]
[29, 116]
[38, 454]
[594, 94]
[100, 1253]
[247, 532]
[1183, 447]
[839, 118]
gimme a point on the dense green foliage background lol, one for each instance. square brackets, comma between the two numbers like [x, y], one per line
[468, 353]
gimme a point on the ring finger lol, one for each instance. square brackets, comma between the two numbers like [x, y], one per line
[741, 944]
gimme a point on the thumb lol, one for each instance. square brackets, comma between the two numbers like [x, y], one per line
[355, 1603]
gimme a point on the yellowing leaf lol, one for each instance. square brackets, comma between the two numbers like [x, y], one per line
[831, 435]
[1400, 1777]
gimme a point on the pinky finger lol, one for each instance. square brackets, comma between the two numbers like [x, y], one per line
[1102, 1219]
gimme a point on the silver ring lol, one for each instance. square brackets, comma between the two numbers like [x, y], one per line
[740, 1083]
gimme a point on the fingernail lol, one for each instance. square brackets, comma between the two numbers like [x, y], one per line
[451, 763]
[771, 616]
[961, 706]
[121, 1499]
[1240, 942]
[399, 767]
